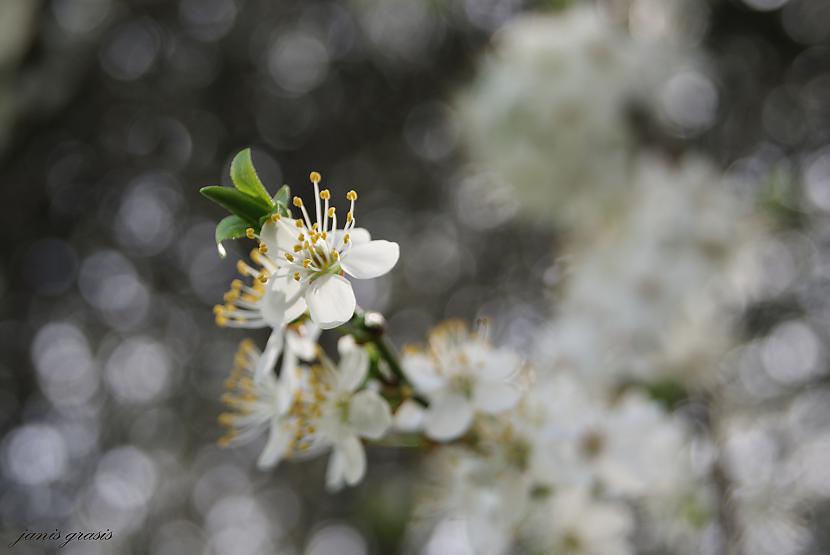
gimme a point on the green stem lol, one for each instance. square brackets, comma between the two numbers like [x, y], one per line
[388, 354]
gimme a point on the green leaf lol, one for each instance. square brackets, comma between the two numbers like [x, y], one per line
[248, 208]
[245, 178]
[283, 195]
[231, 227]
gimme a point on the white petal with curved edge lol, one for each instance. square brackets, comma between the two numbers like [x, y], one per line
[354, 365]
[278, 236]
[448, 417]
[330, 301]
[370, 260]
[357, 236]
[274, 304]
[334, 471]
[369, 414]
[409, 417]
[268, 359]
[420, 371]
[275, 447]
[493, 397]
[347, 463]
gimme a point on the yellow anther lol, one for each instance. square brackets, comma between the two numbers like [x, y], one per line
[263, 248]
[236, 284]
[324, 235]
[347, 238]
[247, 344]
[325, 194]
[299, 223]
[301, 237]
[221, 321]
[254, 255]
[351, 195]
[306, 263]
[289, 257]
[241, 267]
[316, 226]
[218, 309]
[231, 296]
[298, 248]
[349, 217]
[263, 276]
[226, 419]
[331, 212]
[249, 233]
[275, 218]
[298, 202]
[315, 177]
[297, 276]
[335, 255]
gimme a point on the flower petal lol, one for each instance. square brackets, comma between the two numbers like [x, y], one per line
[268, 358]
[420, 371]
[274, 305]
[370, 260]
[369, 414]
[494, 397]
[347, 463]
[357, 236]
[275, 447]
[409, 417]
[353, 367]
[278, 236]
[330, 301]
[448, 417]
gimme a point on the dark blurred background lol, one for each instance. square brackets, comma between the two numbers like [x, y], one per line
[113, 114]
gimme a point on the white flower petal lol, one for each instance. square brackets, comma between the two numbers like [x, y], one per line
[494, 397]
[274, 307]
[409, 417]
[347, 463]
[370, 260]
[369, 414]
[268, 358]
[357, 236]
[330, 301]
[448, 417]
[353, 367]
[277, 236]
[421, 373]
[275, 447]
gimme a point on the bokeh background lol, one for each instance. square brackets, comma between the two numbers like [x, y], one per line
[113, 114]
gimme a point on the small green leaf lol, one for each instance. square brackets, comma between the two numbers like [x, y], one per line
[283, 195]
[230, 227]
[248, 208]
[245, 178]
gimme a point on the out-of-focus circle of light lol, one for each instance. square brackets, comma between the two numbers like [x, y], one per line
[431, 130]
[688, 102]
[139, 370]
[65, 367]
[132, 50]
[483, 202]
[145, 220]
[109, 283]
[336, 539]
[806, 20]
[791, 353]
[817, 179]
[50, 266]
[401, 30]
[177, 538]
[80, 17]
[237, 524]
[35, 454]
[124, 483]
[765, 5]
[490, 14]
[298, 62]
[208, 20]
[216, 482]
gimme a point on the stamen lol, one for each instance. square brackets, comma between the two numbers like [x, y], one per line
[263, 248]
[297, 276]
[289, 257]
[249, 233]
[351, 195]
[325, 194]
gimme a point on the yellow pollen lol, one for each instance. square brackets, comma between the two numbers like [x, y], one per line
[249, 233]
[300, 237]
[347, 238]
[263, 277]
[351, 195]
[241, 267]
[236, 284]
[263, 248]
[231, 296]
[298, 248]
[289, 257]
[325, 194]
[349, 217]
[299, 223]
[226, 419]
[316, 226]
[306, 263]
[275, 218]
[324, 235]
[221, 321]
[331, 212]
[218, 309]
[335, 255]
[297, 276]
[315, 177]
[298, 202]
